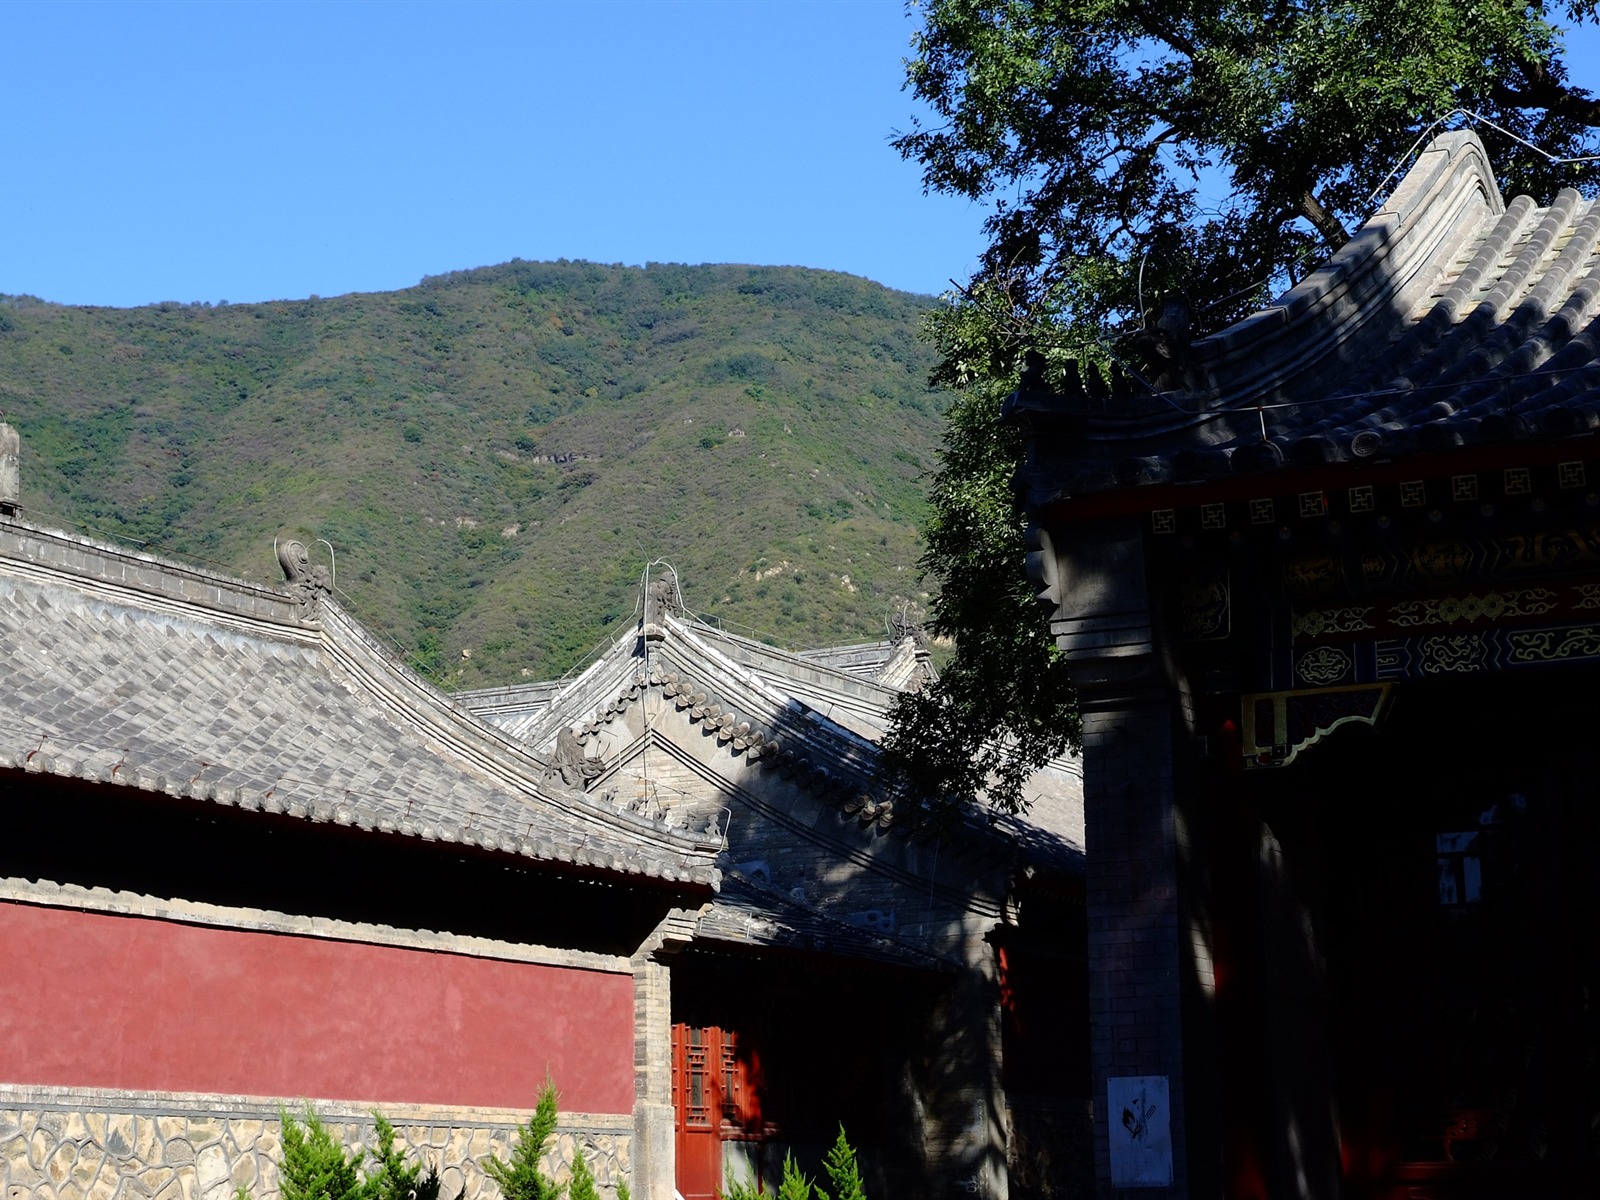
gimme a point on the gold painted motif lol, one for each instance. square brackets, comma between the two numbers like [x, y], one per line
[1321, 621]
[1453, 653]
[1547, 548]
[1442, 561]
[1376, 565]
[1553, 645]
[1588, 595]
[1452, 610]
[1204, 603]
[1312, 574]
[1324, 665]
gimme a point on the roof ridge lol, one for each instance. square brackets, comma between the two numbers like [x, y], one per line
[1264, 353]
[467, 737]
[130, 578]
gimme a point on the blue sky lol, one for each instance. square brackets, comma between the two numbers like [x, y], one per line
[242, 151]
[256, 151]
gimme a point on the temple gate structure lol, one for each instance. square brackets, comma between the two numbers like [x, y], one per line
[1332, 610]
[250, 860]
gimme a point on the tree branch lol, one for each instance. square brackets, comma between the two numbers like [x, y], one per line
[1327, 225]
[1544, 92]
[1162, 33]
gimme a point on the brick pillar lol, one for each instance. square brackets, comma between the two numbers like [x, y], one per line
[653, 1145]
[654, 1129]
[1143, 957]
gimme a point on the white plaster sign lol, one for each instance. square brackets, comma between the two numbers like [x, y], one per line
[1139, 1128]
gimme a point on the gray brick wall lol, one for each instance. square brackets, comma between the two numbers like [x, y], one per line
[1138, 935]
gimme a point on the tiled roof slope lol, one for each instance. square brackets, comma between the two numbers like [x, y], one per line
[1450, 320]
[858, 679]
[827, 716]
[128, 670]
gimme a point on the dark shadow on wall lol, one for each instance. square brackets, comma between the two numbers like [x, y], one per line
[1430, 948]
[70, 831]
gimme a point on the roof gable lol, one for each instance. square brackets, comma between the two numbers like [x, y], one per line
[777, 752]
[129, 670]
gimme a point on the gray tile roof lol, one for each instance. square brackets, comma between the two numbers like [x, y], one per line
[1451, 320]
[128, 670]
[749, 913]
[827, 720]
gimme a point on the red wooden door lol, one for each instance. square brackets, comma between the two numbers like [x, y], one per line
[712, 1099]
[697, 1105]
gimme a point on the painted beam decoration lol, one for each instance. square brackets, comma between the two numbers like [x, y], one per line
[1277, 726]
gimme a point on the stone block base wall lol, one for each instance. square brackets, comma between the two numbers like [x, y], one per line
[1051, 1151]
[83, 1144]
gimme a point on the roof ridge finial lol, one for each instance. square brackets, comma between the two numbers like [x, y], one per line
[662, 599]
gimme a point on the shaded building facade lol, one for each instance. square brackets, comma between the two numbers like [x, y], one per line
[860, 964]
[1331, 613]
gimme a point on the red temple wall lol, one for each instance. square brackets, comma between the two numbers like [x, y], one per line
[93, 1000]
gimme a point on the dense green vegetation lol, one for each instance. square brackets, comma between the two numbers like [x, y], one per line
[495, 454]
[1097, 132]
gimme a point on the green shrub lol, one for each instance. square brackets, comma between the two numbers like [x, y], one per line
[793, 1185]
[314, 1166]
[581, 1185]
[521, 1178]
[844, 1176]
[398, 1180]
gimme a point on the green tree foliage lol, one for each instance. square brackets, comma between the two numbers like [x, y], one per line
[397, 1179]
[581, 1186]
[1094, 128]
[315, 1167]
[1100, 118]
[522, 1178]
[794, 1185]
[1002, 705]
[844, 1176]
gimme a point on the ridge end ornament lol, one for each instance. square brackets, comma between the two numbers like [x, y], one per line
[307, 582]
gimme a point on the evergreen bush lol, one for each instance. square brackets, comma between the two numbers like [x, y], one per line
[314, 1166]
[521, 1177]
[398, 1180]
[844, 1176]
[793, 1185]
[581, 1185]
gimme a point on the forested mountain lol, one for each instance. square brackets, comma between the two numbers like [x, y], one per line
[496, 453]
